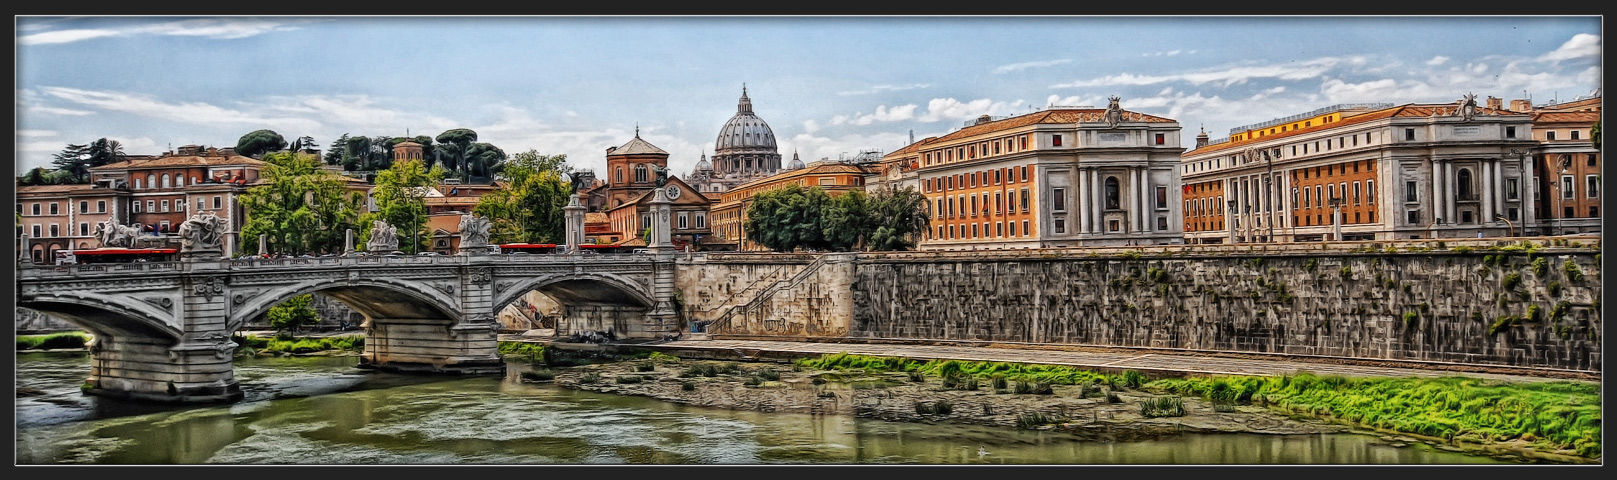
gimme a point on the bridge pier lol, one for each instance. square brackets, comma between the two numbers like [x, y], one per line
[415, 345]
[156, 370]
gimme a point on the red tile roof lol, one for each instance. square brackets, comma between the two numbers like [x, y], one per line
[1406, 110]
[1566, 117]
[181, 161]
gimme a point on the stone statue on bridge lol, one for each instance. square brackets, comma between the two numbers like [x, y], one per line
[473, 232]
[383, 238]
[201, 233]
[111, 234]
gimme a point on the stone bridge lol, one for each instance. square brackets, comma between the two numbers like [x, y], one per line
[163, 329]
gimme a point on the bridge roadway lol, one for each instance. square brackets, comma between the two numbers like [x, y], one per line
[1106, 359]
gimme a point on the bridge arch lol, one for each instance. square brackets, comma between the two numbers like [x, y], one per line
[373, 298]
[579, 288]
[104, 315]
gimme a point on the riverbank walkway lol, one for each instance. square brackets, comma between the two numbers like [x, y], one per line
[1115, 360]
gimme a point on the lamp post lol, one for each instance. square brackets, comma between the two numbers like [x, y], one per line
[1269, 194]
[1526, 184]
[1510, 229]
[1231, 212]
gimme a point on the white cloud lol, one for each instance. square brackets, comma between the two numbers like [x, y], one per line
[884, 114]
[219, 28]
[61, 111]
[950, 109]
[811, 126]
[196, 113]
[1479, 67]
[1026, 65]
[36, 133]
[1172, 53]
[1579, 46]
[1437, 60]
[1229, 76]
[1073, 101]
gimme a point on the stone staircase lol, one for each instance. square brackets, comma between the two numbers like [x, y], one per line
[757, 301]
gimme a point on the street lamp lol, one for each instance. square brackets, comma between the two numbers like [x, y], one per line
[1510, 229]
[1231, 212]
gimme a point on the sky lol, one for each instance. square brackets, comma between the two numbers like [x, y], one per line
[828, 86]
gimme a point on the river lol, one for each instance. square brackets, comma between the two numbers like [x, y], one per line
[322, 410]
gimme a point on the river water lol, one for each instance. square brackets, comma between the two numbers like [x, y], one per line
[322, 410]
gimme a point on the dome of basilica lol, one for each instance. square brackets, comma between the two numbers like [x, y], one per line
[745, 130]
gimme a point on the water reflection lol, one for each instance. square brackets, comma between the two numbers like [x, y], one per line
[321, 410]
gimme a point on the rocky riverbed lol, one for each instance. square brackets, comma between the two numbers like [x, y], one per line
[899, 397]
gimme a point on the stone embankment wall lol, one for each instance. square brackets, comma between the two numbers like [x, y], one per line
[768, 294]
[1467, 301]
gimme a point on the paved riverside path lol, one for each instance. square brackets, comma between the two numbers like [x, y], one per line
[1176, 363]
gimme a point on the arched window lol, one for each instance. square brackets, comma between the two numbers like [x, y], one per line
[151, 181]
[1112, 194]
[620, 174]
[137, 184]
[1463, 181]
[165, 181]
[640, 173]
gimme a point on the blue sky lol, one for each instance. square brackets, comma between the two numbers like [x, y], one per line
[827, 86]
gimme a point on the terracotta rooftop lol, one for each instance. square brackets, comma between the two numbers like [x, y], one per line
[48, 189]
[1073, 115]
[181, 161]
[636, 146]
[911, 148]
[596, 217]
[1566, 117]
[1406, 111]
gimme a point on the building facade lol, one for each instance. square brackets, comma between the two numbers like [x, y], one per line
[163, 191]
[688, 215]
[63, 217]
[1061, 177]
[1363, 172]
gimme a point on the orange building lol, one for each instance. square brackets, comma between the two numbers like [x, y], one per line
[1567, 165]
[160, 189]
[835, 178]
[688, 215]
[1362, 172]
[1060, 177]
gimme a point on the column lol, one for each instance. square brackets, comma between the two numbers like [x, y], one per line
[1134, 200]
[1486, 181]
[574, 218]
[1084, 200]
[1098, 199]
[1449, 207]
[1142, 199]
[1498, 186]
[1440, 190]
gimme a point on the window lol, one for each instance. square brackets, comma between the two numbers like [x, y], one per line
[684, 220]
[972, 177]
[1510, 131]
[215, 202]
[999, 203]
[1409, 134]
[1594, 212]
[100, 206]
[1331, 190]
[1592, 161]
[1025, 202]
[1113, 201]
[1355, 193]
[952, 232]
[1512, 213]
[640, 172]
[165, 180]
[1409, 191]
[1319, 196]
[36, 209]
[701, 220]
[1113, 225]
[134, 206]
[1162, 197]
[56, 231]
[998, 175]
[163, 227]
[1011, 203]
[1465, 216]
[1055, 140]
[1413, 217]
[975, 231]
[1061, 226]
[1549, 135]
[1162, 223]
[1013, 229]
[1058, 199]
[1370, 191]
[151, 181]
[1567, 187]
[1162, 139]
[36, 231]
[1025, 229]
[1574, 134]
[645, 222]
[1591, 186]
[1567, 213]
[962, 200]
[55, 209]
[84, 206]
[973, 205]
[620, 174]
[164, 205]
[939, 209]
[201, 204]
[1463, 182]
[999, 227]
[137, 184]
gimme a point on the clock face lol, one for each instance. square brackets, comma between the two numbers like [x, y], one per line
[673, 192]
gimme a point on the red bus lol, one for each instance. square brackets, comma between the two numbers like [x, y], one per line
[529, 248]
[603, 248]
[125, 255]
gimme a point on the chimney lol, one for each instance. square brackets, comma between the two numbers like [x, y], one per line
[609, 150]
[1521, 105]
[1496, 103]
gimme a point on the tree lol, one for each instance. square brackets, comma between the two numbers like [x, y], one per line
[337, 152]
[462, 139]
[299, 207]
[848, 221]
[293, 314]
[74, 159]
[34, 177]
[1594, 135]
[400, 195]
[303, 143]
[529, 208]
[257, 142]
[483, 160]
[104, 151]
[787, 218]
[897, 219]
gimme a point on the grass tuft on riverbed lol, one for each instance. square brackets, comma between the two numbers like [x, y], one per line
[1033, 374]
[254, 343]
[1552, 415]
[52, 341]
